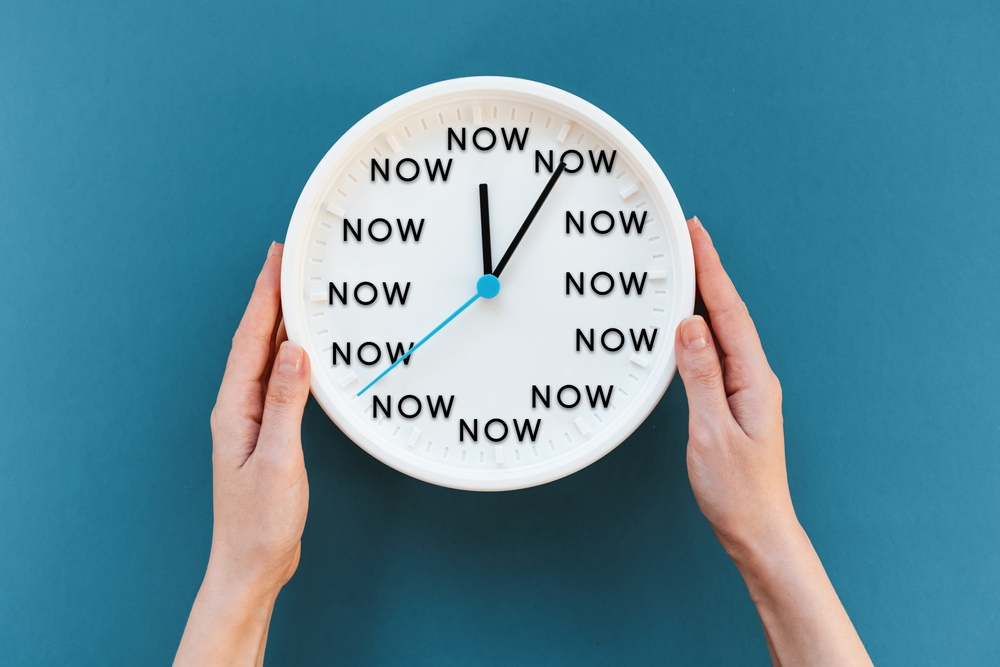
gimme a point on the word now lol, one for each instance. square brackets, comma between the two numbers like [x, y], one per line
[365, 293]
[569, 396]
[602, 283]
[408, 169]
[603, 222]
[484, 138]
[493, 433]
[637, 341]
[380, 229]
[367, 356]
[411, 406]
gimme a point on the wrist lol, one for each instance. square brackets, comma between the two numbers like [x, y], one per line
[229, 580]
[766, 544]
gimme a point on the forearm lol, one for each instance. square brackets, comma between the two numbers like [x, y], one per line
[228, 624]
[804, 620]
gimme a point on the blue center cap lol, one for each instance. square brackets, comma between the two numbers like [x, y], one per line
[488, 286]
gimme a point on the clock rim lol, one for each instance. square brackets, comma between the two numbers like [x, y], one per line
[310, 200]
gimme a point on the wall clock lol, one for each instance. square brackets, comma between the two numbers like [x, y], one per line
[487, 274]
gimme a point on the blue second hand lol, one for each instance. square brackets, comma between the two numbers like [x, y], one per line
[487, 287]
[421, 342]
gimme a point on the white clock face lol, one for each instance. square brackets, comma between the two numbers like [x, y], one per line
[386, 242]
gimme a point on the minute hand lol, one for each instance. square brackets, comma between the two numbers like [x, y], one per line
[527, 221]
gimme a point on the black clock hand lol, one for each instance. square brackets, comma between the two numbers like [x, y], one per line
[527, 221]
[484, 215]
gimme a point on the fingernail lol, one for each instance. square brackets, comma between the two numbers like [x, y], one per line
[694, 333]
[289, 358]
[272, 250]
[698, 222]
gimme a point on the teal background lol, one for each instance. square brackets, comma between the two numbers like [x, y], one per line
[845, 156]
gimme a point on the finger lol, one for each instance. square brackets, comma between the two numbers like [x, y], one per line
[734, 330]
[698, 363]
[287, 391]
[252, 349]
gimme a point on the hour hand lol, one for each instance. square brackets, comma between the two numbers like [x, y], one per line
[484, 216]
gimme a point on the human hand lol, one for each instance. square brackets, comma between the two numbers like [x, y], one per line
[736, 446]
[261, 493]
[736, 463]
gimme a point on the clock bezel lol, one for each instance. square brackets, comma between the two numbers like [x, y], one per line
[311, 201]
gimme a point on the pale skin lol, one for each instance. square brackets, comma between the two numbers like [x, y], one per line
[735, 457]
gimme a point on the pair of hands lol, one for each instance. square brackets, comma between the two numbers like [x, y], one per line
[735, 457]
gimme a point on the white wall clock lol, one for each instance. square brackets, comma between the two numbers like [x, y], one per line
[487, 274]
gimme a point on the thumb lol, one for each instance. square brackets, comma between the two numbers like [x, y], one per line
[287, 391]
[699, 366]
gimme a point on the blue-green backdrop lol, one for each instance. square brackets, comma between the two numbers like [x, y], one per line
[845, 156]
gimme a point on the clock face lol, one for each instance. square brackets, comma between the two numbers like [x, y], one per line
[387, 242]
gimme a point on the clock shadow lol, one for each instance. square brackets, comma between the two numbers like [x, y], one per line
[620, 541]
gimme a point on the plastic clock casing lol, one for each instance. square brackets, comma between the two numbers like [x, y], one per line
[493, 353]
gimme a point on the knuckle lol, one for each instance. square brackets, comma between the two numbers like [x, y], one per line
[280, 393]
[705, 370]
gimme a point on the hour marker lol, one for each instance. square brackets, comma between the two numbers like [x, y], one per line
[657, 256]
[322, 332]
[446, 452]
[477, 115]
[629, 191]
[498, 450]
[317, 260]
[531, 116]
[377, 151]
[659, 292]
[552, 445]
[564, 132]
[654, 239]
[534, 450]
[463, 454]
[623, 392]
[581, 426]
[407, 130]
[348, 379]
[494, 112]
[657, 275]
[639, 361]
[380, 421]
[658, 311]
[548, 121]
[441, 117]
[428, 447]
[423, 123]
[394, 144]
[598, 419]
[640, 204]
[317, 297]
[318, 242]
[458, 112]
[481, 457]
[633, 378]
[319, 314]
[580, 140]
[620, 174]
[341, 192]
[512, 113]
[517, 452]
[353, 180]
[336, 210]
[568, 439]
[396, 431]
[315, 278]
[414, 436]
[323, 223]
